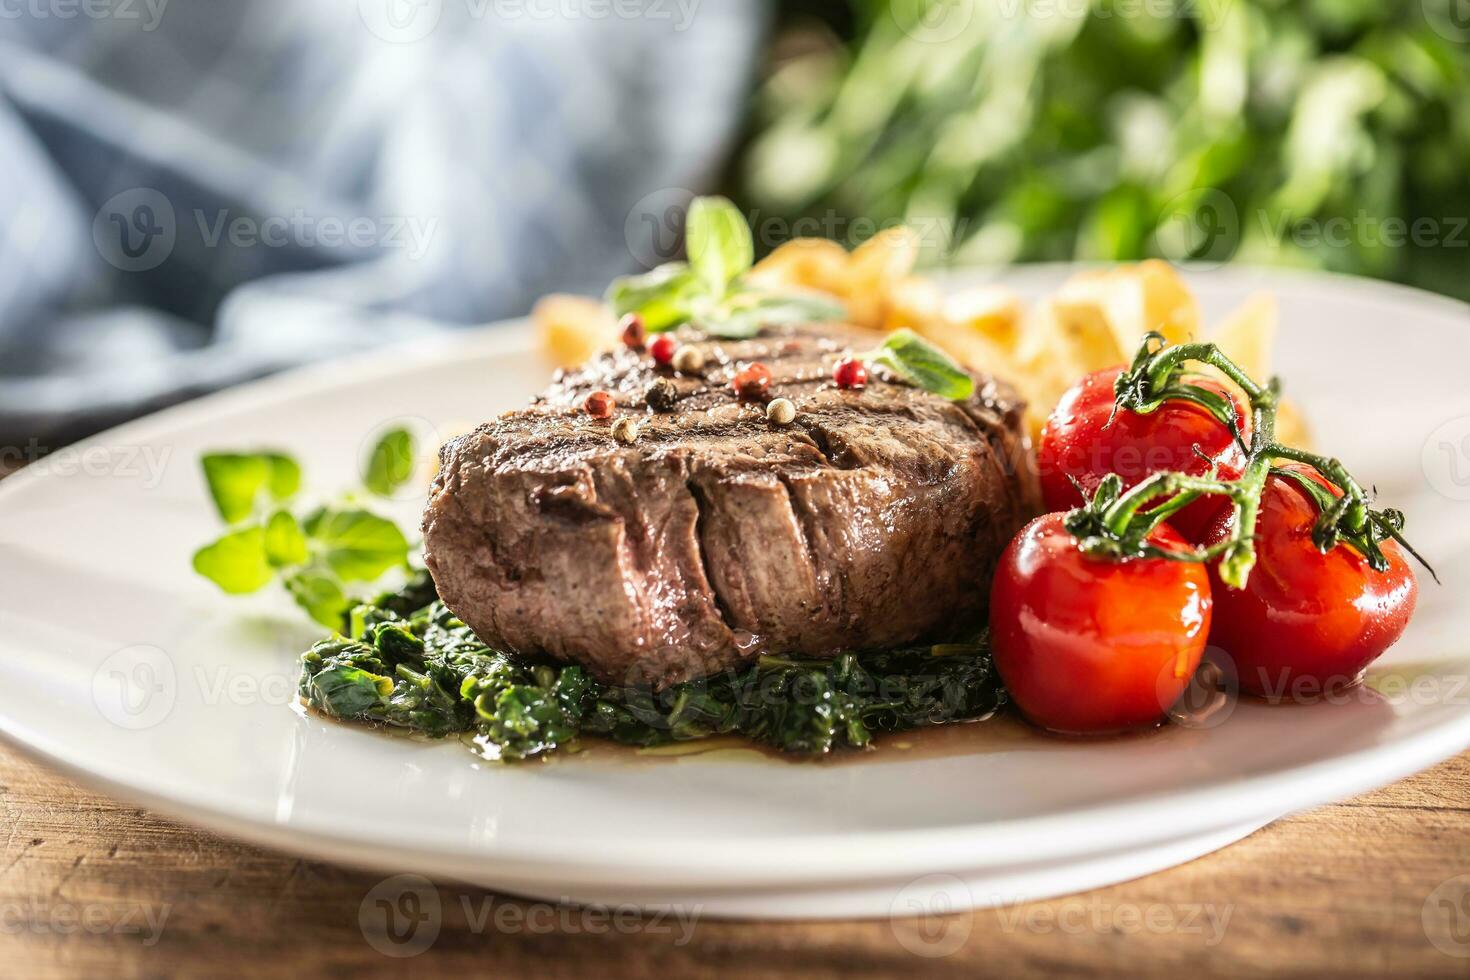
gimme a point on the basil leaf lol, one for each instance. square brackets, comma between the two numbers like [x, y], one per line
[236, 480]
[320, 595]
[356, 545]
[793, 308]
[663, 298]
[747, 320]
[390, 464]
[737, 325]
[922, 364]
[236, 562]
[284, 542]
[718, 241]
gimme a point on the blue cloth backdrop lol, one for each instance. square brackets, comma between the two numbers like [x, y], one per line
[194, 192]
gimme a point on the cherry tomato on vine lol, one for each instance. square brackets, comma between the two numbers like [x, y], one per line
[1079, 443]
[1307, 622]
[1089, 644]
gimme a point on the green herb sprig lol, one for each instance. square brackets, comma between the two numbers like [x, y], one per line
[1117, 524]
[710, 290]
[315, 556]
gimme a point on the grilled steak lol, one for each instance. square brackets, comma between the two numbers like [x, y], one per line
[874, 519]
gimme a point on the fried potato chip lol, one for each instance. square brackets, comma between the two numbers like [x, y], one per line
[1168, 305]
[874, 269]
[1096, 320]
[573, 328]
[1073, 337]
[974, 350]
[1291, 426]
[993, 312]
[1248, 334]
[916, 303]
[807, 263]
[1134, 300]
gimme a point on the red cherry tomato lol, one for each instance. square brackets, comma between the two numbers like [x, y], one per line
[1078, 443]
[1093, 645]
[1307, 622]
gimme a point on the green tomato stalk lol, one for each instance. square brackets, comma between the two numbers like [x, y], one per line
[1117, 524]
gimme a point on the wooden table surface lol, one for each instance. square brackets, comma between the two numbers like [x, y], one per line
[90, 886]
[1376, 886]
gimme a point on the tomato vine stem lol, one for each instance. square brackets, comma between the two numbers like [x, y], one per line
[1117, 524]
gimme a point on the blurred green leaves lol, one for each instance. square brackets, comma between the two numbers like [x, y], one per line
[1316, 133]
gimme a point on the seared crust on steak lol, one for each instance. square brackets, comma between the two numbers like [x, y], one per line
[874, 519]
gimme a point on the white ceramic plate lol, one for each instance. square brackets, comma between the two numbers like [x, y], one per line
[130, 672]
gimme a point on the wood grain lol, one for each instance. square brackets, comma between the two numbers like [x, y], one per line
[93, 887]
[89, 886]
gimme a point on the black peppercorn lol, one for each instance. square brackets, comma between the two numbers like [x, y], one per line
[661, 395]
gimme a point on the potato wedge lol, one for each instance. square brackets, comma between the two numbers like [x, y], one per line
[994, 312]
[874, 269]
[1134, 300]
[806, 263]
[573, 328]
[1248, 334]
